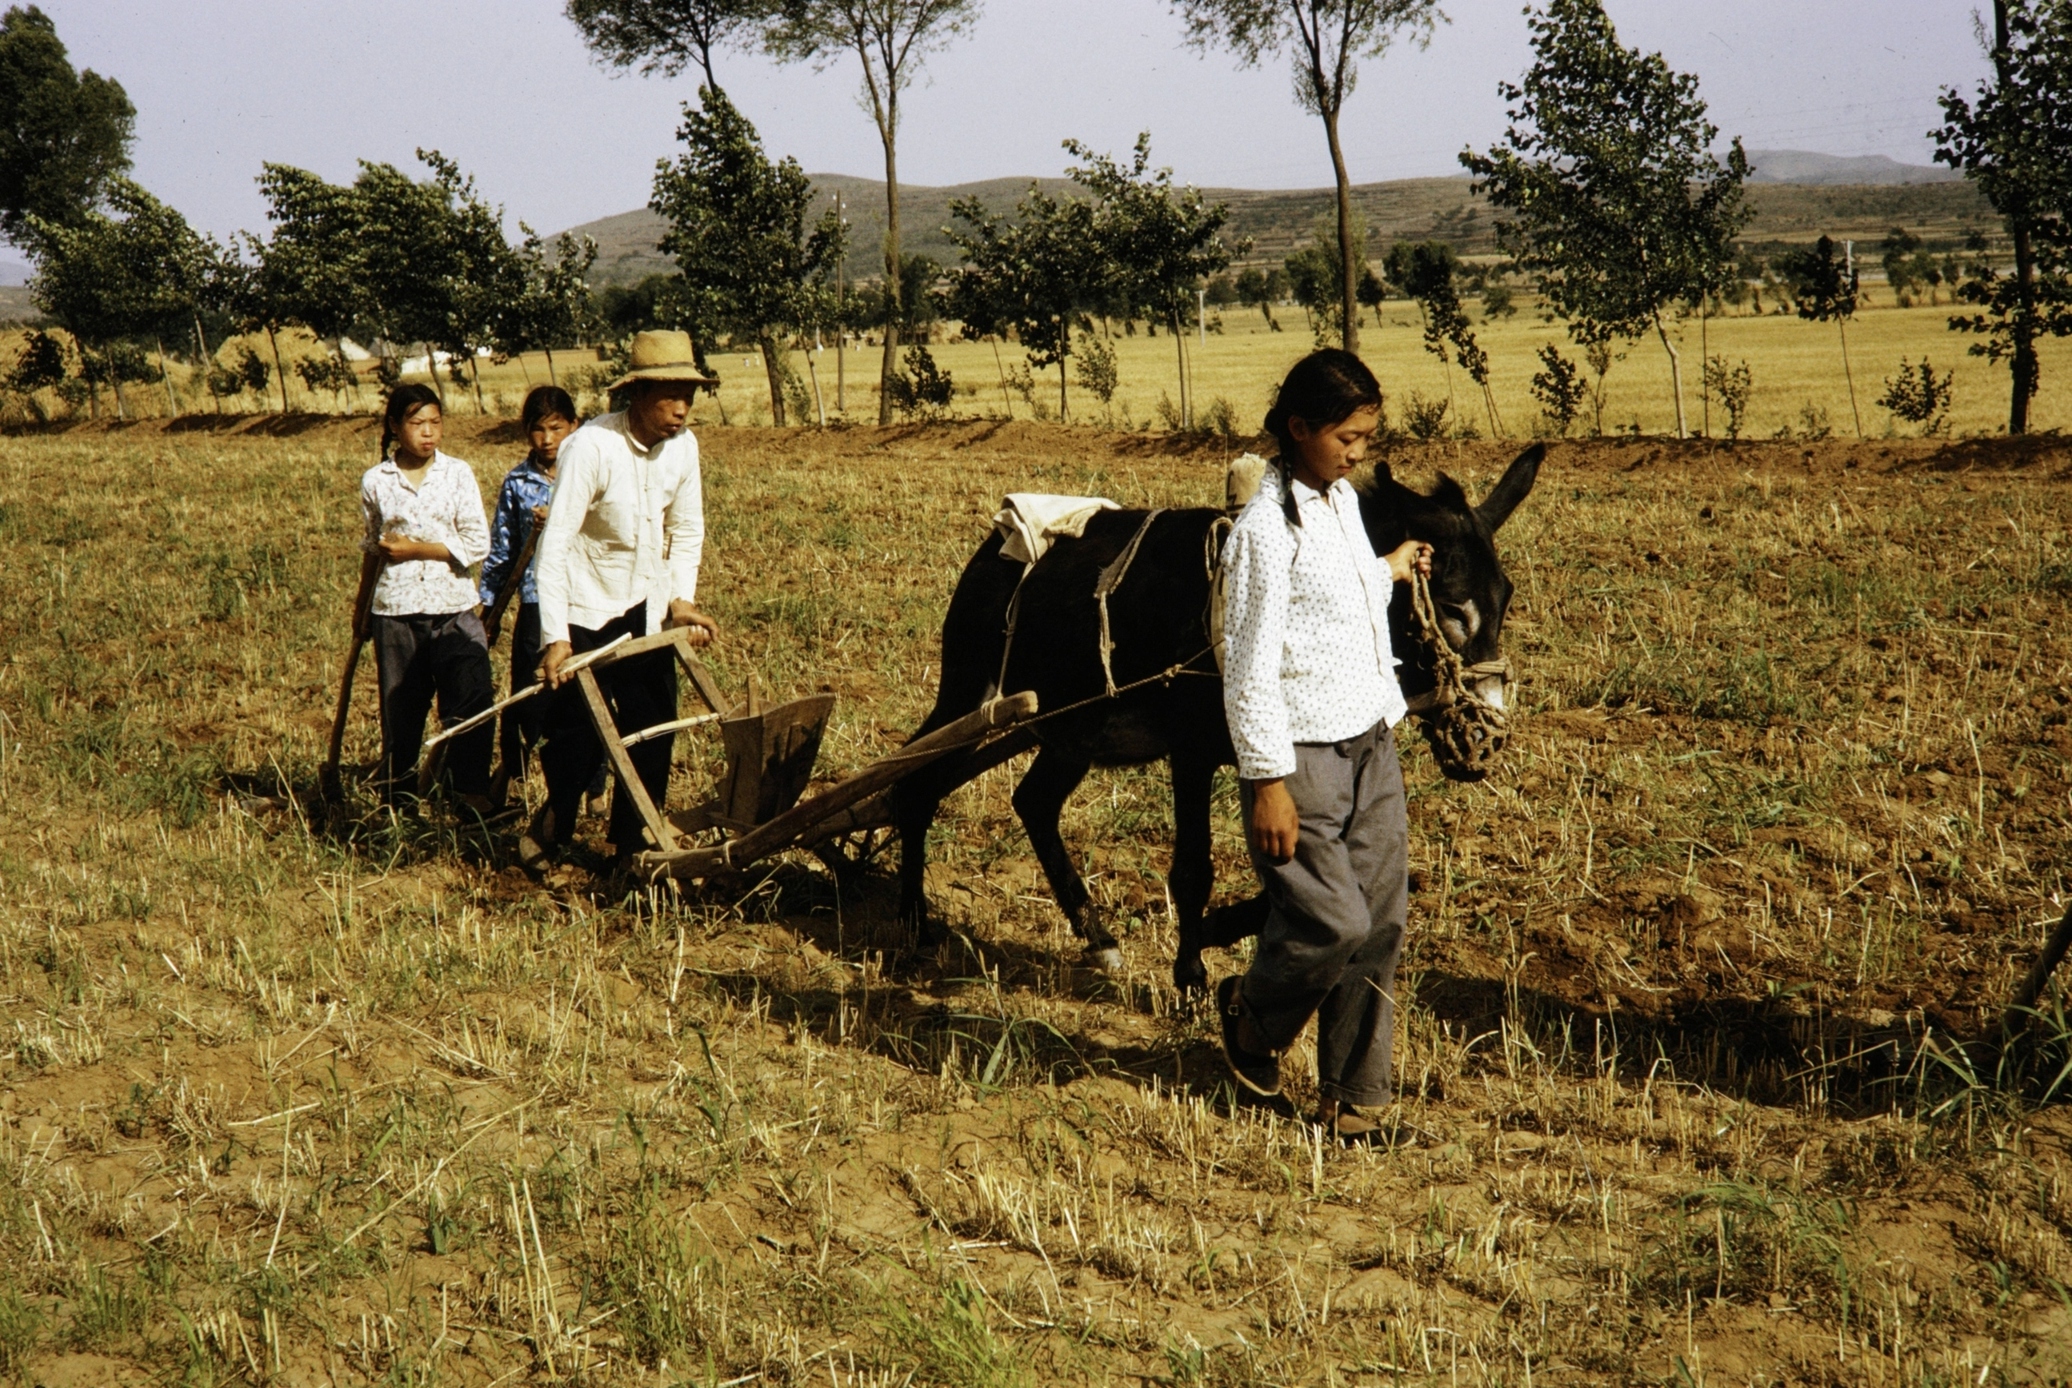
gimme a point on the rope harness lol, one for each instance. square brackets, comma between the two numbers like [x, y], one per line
[1465, 733]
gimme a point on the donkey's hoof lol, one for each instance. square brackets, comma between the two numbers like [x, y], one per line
[1106, 959]
[1190, 975]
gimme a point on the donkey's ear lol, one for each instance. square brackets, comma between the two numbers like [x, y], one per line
[1513, 487]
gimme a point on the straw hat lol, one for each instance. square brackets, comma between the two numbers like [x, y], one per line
[663, 355]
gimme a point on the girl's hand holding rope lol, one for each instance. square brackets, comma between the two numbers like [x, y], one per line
[1408, 559]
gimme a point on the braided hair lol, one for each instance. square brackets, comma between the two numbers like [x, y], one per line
[1324, 389]
[403, 402]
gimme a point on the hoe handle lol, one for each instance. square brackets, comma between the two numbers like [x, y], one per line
[336, 752]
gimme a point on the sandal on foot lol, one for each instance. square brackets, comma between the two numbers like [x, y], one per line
[1257, 1071]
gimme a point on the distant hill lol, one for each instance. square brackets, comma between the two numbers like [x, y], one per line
[1443, 209]
[1829, 170]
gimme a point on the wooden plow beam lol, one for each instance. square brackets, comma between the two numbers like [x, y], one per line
[849, 805]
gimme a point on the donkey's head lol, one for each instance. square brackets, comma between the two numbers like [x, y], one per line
[1460, 693]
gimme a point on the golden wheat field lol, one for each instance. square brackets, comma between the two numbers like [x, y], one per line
[1689, 1090]
[1799, 385]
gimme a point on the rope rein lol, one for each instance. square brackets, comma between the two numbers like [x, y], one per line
[1465, 733]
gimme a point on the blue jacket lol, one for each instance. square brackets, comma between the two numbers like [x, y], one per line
[525, 487]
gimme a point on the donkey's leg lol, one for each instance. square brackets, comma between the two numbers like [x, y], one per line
[1192, 875]
[1039, 800]
[915, 801]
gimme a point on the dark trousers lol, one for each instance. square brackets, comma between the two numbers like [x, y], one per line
[640, 692]
[418, 657]
[1338, 909]
[519, 728]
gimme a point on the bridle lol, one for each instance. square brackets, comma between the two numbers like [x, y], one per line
[1465, 731]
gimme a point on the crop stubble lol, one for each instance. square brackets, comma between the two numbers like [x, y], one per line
[1784, 813]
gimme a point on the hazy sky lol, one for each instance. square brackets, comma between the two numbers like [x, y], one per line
[507, 89]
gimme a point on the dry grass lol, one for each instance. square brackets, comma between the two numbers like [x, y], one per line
[1782, 822]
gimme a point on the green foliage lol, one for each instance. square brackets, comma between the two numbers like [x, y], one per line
[923, 389]
[1825, 283]
[1425, 272]
[951, 1341]
[40, 365]
[1425, 419]
[137, 273]
[1559, 388]
[663, 37]
[1918, 396]
[1615, 203]
[1035, 276]
[751, 263]
[554, 308]
[326, 373]
[64, 134]
[1733, 387]
[1095, 371]
[1313, 274]
[1159, 242]
[1326, 40]
[1910, 269]
[250, 372]
[2013, 140]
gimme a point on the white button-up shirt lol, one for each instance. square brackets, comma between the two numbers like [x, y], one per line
[626, 526]
[444, 508]
[1306, 627]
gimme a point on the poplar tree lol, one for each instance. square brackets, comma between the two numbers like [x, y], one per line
[1326, 39]
[666, 36]
[2013, 139]
[1616, 204]
[64, 135]
[739, 227]
[889, 39]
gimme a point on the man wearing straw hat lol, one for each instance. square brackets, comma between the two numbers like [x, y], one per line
[619, 556]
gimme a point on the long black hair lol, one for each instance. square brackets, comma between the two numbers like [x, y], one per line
[1324, 389]
[403, 402]
[545, 402]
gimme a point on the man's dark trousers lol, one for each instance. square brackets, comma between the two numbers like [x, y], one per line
[641, 692]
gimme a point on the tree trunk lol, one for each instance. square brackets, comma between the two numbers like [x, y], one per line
[165, 373]
[1349, 302]
[998, 365]
[894, 299]
[1675, 375]
[552, 379]
[201, 342]
[279, 374]
[2023, 366]
[475, 376]
[813, 373]
[1850, 376]
[1704, 360]
[431, 361]
[1064, 357]
[1180, 349]
[775, 371]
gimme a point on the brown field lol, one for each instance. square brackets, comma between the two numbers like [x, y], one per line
[1783, 818]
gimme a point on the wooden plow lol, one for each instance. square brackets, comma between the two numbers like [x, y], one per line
[761, 806]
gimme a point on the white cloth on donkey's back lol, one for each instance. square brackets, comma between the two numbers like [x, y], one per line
[626, 526]
[444, 508]
[1306, 626]
[1029, 521]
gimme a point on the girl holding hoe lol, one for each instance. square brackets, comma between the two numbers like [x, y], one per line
[1312, 701]
[548, 416]
[424, 528]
